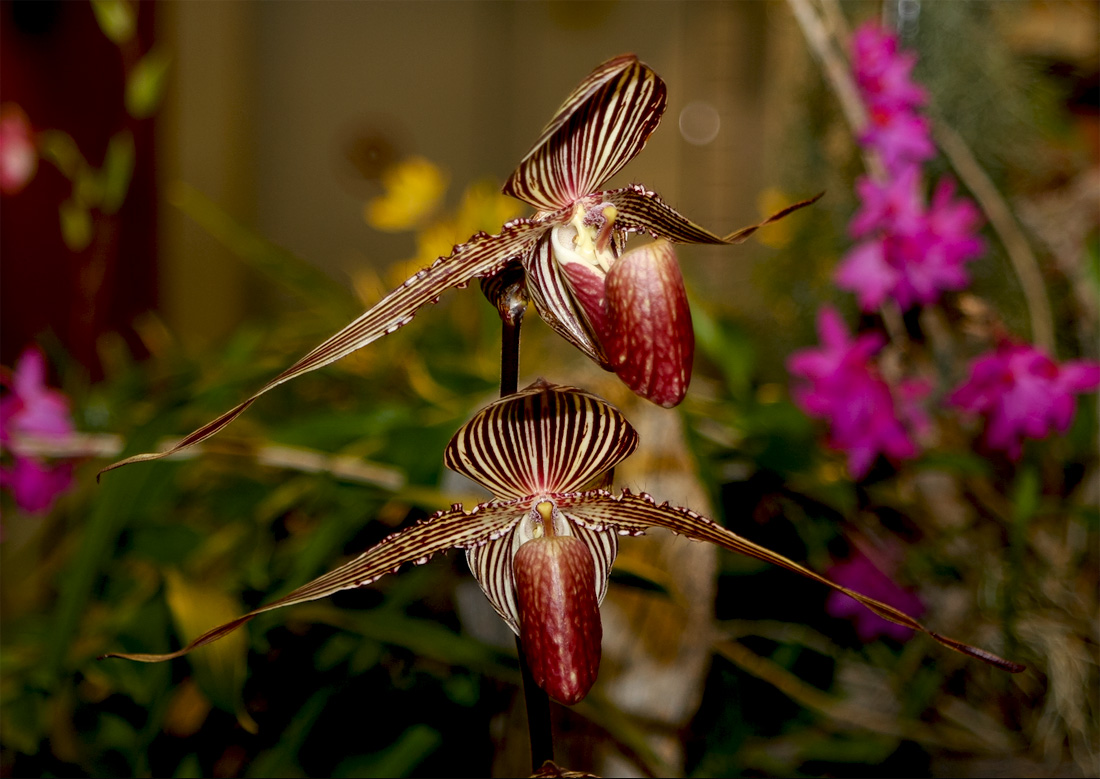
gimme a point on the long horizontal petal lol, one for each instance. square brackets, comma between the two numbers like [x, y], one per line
[443, 531]
[634, 513]
[599, 128]
[542, 440]
[482, 255]
[642, 210]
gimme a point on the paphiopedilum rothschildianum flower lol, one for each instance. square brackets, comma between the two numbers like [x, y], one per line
[543, 548]
[628, 312]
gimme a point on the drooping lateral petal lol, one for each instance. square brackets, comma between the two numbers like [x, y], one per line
[553, 297]
[542, 440]
[633, 513]
[482, 255]
[491, 565]
[598, 129]
[416, 544]
[642, 210]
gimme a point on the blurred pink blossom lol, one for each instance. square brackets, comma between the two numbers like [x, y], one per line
[883, 74]
[909, 253]
[34, 485]
[901, 138]
[33, 409]
[18, 156]
[894, 129]
[859, 573]
[840, 384]
[1023, 393]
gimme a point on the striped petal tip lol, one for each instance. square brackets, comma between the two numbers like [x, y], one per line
[559, 616]
[543, 440]
[599, 128]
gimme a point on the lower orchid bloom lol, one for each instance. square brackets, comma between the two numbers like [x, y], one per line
[543, 548]
[628, 312]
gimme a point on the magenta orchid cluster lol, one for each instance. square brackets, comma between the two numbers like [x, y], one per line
[907, 251]
[31, 409]
[842, 385]
[1023, 393]
[911, 253]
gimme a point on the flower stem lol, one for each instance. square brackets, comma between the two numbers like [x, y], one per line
[509, 356]
[509, 295]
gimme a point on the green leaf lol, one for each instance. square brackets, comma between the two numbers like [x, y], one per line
[220, 671]
[118, 503]
[1026, 493]
[145, 84]
[415, 744]
[294, 274]
[116, 18]
[117, 170]
[76, 225]
[59, 148]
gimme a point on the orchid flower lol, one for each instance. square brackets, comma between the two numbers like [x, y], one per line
[628, 312]
[543, 548]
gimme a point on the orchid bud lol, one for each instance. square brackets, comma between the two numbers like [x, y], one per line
[559, 615]
[651, 342]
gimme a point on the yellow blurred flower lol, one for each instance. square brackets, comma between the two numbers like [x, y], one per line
[414, 187]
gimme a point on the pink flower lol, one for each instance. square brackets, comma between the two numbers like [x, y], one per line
[841, 385]
[33, 409]
[34, 485]
[900, 137]
[894, 206]
[894, 129]
[858, 572]
[18, 156]
[882, 73]
[912, 254]
[1023, 393]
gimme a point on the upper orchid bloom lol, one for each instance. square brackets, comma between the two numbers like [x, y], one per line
[1023, 393]
[627, 312]
[543, 548]
[32, 409]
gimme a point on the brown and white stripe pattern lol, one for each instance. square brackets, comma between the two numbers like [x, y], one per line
[543, 440]
[633, 514]
[600, 127]
[533, 447]
[482, 255]
[417, 544]
[491, 565]
[642, 211]
[553, 299]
